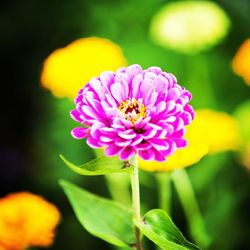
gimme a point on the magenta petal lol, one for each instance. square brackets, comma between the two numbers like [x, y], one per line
[107, 78]
[161, 134]
[146, 88]
[133, 71]
[122, 142]
[148, 97]
[93, 143]
[89, 111]
[153, 98]
[112, 112]
[182, 101]
[150, 133]
[121, 70]
[142, 124]
[159, 156]
[127, 124]
[118, 92]
[95, 130]
[94, 103]
[159, 144]
[181, 143]
[125, 87]
[121, 78]
[179, 133]
[161, 107]
[118, 127]
[98, 88]
[173, 94]
[150, 75]
[171, 149]
[136, 83]
[186, 117]
[190, 110]
[143, 146]
[127, 134]
[155, 126]
[138, 139]
[146, 154]
[171, 119]
[161, 84]
[155, 70]
[127, 153]
[79, 132]
[111, 100]
[106, 139]
[113, 150]
[78, 98]
[169, 106]
[107, 130]
[117, 122]
[178, 123]
[171, 79]
[152, 120]
[75, 115]
[187, 94]
[169, 128]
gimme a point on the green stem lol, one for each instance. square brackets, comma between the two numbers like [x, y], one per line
[191, 207]
[136, 200]
[164, 190]
[163, 180]
[118, 185]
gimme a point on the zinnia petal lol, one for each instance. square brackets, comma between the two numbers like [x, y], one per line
[127, 153]
[79, 133]
[142, 111]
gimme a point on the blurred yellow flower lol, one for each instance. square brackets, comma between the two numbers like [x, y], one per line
[210, 132]
[189, 26]
[241, 61]
[217, 129]
[26, 220]
[180, 159]
[67, 69]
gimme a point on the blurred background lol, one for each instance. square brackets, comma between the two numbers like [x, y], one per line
[36, 125]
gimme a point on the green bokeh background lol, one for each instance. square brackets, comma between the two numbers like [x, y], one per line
[36, 126]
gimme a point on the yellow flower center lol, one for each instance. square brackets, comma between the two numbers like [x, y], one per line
[132, 110]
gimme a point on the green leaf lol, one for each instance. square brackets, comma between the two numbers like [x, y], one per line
[101, 217]
[159, 228]
[100, 166]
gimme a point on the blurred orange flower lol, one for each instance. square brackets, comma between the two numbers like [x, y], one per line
[241, 61]
[67, 69]
[26, 220]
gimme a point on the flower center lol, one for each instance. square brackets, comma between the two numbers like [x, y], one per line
[132, 110]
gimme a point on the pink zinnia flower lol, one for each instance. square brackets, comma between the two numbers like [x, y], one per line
[133, 110]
